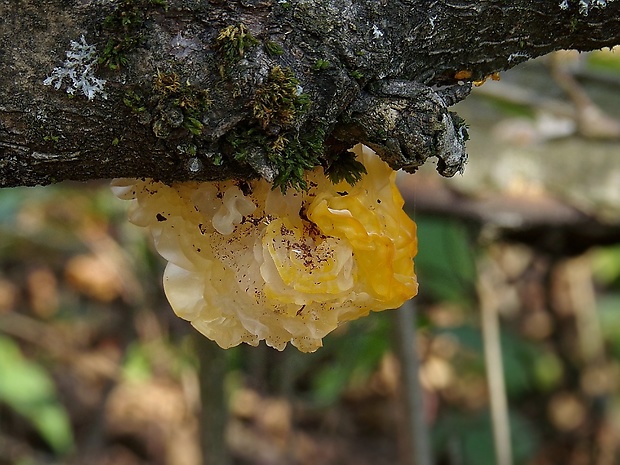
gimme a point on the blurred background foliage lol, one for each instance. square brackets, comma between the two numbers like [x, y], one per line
[95, 368]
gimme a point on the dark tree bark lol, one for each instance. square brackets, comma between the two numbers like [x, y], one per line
[216, 89]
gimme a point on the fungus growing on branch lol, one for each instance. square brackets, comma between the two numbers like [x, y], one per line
[250, 263]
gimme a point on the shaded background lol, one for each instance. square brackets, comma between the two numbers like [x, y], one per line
[95, 368]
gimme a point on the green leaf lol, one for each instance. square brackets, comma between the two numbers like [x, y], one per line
[603, 60]
[526, 365]
[28, 389]
[336, 367]
[470, 437]
[606, 264]
[609, 315]
[137, 366]
[445, 263]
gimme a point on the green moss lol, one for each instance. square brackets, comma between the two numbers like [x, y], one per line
[233, 41]
[574, 23]
[123, 27]
[345, 167]
[271, 138]
[173, 94]
[117, 140]
[188, 149]
[299, 155]
[114, 55]
[291, 157]
[170, 103]
[128, 13]
[280, 99]
[217, 160]
[51, 138]
[190, 99]
[356, 74]
[135, 101]
[273, 49]
[131, 13]
[321, 65]
[48, 137]
[166, 83]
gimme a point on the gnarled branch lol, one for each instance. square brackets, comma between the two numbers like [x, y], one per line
[241, 88]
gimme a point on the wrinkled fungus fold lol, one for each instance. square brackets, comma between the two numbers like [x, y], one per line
[253, 264]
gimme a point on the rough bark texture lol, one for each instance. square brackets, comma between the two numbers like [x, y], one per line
[218, 89]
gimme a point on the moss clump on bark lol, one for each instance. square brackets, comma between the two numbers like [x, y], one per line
[123, 27]
[233, 41]
[280, 100]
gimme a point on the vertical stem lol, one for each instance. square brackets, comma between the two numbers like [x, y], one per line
[495, 374]
[417, 430]
[213, 411]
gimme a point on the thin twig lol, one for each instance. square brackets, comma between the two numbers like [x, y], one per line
[417, 434]
[213, 412]
[495, 373]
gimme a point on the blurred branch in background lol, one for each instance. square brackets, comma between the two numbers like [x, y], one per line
[417, 448]
[213, 367]
[495, 370]
[527, 183]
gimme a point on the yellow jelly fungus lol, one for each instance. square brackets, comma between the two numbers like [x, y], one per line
[253, 264]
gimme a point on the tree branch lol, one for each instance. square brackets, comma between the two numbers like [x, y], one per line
[220, 89]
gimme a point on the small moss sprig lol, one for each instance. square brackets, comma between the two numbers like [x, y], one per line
[321, 65]
[290, 157]
[114, 54]
[280, 99]
[166, 83]
[273, 49]
[233, 41]
[123, 26]
[135, 101]
[278, 103]
[358, 75]
[299, 155]
[345, 167]
[190, 100]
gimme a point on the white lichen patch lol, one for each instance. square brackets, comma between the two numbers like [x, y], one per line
[248, 263]
[585, 6]
[194, 165]
[376, 32]
[78, 71]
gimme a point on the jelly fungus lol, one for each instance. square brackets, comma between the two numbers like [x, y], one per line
[248, 263]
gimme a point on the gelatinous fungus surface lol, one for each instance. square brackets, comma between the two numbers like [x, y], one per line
[249, 263]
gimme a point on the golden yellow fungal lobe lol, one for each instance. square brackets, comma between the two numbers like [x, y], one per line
[463, 74]
[252, 265]
[493, 77]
